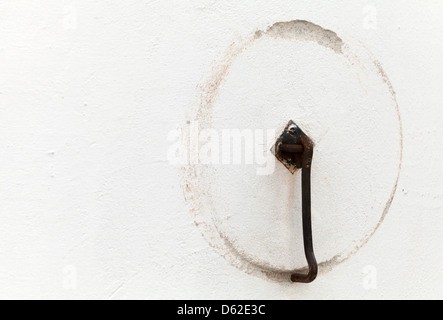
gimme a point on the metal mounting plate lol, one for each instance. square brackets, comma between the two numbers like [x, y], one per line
[292, 135]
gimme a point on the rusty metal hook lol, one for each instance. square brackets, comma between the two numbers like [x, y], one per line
[295, 150]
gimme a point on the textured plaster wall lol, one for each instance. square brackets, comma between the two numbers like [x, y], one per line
[90, 206]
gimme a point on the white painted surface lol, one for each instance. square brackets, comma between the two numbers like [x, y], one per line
[91, 208]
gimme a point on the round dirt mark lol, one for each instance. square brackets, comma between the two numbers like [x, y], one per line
[198, 179]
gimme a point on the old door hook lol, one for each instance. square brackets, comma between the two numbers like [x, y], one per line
[294, 149]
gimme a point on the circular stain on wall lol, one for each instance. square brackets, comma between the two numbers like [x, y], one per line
[341, 97]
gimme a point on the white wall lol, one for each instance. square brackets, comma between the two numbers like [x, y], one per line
[90, 206]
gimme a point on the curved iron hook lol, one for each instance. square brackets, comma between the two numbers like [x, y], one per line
[295, 149]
